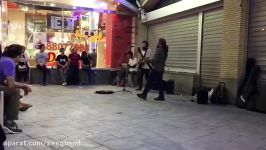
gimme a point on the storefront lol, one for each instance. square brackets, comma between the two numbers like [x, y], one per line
[257, 35]
[194, 38]
[99, 27]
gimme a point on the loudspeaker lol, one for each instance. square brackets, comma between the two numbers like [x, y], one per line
[261, 99]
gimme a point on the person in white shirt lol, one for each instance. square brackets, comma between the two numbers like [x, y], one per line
[133, 68]
[144, 68]
[41, 59]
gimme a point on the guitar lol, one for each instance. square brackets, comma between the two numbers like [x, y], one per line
[141, 63]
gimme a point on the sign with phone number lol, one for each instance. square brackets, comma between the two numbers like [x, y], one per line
[58, 46]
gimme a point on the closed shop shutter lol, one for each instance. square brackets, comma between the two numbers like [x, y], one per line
[211, 47]
[257, 34]
[182, 38]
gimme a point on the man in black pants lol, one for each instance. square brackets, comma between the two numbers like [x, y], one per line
[144, 68]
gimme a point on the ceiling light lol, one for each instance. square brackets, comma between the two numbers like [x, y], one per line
[25, 9]
[52, 4]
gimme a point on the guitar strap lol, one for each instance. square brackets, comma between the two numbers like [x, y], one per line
[145, 54]
[144, 57]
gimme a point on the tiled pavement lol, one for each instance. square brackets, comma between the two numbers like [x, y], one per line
[123, 122]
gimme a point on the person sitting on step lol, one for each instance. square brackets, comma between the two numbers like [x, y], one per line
[11, 88]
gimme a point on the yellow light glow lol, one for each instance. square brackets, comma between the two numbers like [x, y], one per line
[25, 9]
[52, 4]
[90, 4]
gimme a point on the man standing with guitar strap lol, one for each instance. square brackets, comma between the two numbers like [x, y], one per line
[144, 68]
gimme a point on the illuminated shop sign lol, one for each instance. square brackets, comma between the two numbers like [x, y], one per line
[55, 22]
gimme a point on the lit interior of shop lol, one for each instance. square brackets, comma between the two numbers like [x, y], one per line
[86, 25]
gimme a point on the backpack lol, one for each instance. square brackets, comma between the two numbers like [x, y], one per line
[202, 96]
[219, 94]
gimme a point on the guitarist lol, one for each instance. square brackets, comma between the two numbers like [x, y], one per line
[144, 68]
[156, 75]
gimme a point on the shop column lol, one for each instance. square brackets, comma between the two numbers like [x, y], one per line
[118, 39]
[234, 45]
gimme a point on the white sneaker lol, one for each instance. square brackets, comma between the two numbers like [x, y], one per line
[64, 84]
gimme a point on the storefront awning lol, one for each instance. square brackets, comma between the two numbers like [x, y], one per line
[73, 4]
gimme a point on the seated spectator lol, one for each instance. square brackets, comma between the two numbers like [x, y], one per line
[22, 75]
[62, 64]
[93, 58]
[133, 68]
[41, 59]
[22, 68]
[86, 64]
[11, 88]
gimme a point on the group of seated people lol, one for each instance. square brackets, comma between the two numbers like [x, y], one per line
[68, 66]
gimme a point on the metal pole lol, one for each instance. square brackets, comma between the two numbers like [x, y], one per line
[2, 108]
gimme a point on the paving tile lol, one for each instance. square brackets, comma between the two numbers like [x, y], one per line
[17, 137]
[101, 148]
[102, 137]
[164, 143]
[142, 148]
[122, 121]
[16, 148]
[120, 144]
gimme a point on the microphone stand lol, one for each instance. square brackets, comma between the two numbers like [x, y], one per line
[126, 82]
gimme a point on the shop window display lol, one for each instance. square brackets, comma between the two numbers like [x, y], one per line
[56, 28]
[104, 32]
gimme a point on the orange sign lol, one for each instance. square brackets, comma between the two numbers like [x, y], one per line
[51, 56]
[58, 46]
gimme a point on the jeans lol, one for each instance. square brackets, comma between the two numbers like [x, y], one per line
[63, 74]
[133, 77]
[11, 100]
[73, 75]
[22, 76]
[44, 71]
[143, 72]
[155, 77]
[89, 72]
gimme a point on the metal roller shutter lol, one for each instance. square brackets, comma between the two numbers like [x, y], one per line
[211, 48]
[182, 38]
[257, 34]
